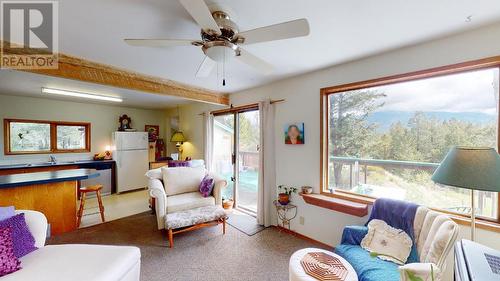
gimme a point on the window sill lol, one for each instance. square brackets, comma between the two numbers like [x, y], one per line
[336, 204]
[353, 198]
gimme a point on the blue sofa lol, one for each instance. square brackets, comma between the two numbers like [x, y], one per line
[424, 226]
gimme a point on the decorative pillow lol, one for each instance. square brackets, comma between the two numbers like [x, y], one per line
[206, 186]
[386, 242]
[178, 164]
[24, 243]
[6, 212]
[8, 261]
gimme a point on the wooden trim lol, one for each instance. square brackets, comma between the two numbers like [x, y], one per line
[416, 75]
[303, 237]
[411, 76]
[53, 136]
[336, 204]
[75, 68]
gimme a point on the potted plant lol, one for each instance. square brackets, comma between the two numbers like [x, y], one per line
[284, 193]
[227, 204]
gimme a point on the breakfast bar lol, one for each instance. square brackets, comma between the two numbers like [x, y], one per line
[53, 193]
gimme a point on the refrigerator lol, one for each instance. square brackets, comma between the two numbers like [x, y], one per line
[130, 151]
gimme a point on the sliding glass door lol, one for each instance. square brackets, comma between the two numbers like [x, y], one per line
[236, 156]
[248, 160]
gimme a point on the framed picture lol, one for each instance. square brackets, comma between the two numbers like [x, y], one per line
[294, 133]
[153, 132]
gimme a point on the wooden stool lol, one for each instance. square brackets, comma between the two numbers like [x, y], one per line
[87, 189]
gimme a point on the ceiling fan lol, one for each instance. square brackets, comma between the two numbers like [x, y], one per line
[221, 38]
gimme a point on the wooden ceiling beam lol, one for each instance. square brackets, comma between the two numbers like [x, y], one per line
[74, 68]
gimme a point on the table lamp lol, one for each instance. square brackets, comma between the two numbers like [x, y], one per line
[474, 168]
[179, 139]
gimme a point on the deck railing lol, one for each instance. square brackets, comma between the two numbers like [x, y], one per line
[355, 164]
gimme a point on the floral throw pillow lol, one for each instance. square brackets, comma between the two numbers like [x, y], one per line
[206, 186]
[8, 261]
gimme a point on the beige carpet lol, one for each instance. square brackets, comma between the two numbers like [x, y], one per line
[203, 254]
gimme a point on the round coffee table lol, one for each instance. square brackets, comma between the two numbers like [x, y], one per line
[296, 271]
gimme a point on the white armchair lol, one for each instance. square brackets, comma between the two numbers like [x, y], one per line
[176, 189]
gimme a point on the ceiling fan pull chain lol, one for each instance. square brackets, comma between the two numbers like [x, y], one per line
[223, 67]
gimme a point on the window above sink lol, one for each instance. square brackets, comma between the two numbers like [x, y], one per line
[45, 137]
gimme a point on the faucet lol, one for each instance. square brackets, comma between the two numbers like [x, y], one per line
[52, 159]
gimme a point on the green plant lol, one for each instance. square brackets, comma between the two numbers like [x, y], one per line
[288, 190]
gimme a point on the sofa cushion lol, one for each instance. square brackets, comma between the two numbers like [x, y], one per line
[59, 262]
[6, 212]
[187, 201]
[367, 267]
[182, 179]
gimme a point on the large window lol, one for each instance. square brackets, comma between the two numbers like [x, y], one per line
[387, 140]
[34, 136]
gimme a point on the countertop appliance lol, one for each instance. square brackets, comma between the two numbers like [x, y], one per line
[130, 151]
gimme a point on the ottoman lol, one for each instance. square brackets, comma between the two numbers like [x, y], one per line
[183, 221]
[297, 273]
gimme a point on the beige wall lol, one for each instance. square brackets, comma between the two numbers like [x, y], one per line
[300, 165]
[103, 119]
[191, 124]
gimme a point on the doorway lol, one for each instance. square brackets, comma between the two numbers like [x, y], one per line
[236, 156]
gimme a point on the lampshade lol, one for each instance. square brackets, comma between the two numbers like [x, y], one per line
[178, 137]
[471, 168]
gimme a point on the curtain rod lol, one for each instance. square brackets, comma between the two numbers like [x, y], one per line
[241, 107]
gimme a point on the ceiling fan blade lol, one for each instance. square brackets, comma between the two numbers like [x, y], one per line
[201, 14]
[255, 62]
[206, 67]
[285, 30]
[160, 42]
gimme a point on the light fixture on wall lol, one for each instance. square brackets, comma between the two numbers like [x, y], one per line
[79, 95]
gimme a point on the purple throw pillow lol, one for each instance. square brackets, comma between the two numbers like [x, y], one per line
[206, 186]
[178, 164]
[6, 212]
[8, 261]
[24, 243]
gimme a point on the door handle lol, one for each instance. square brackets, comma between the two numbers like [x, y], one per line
[233, 179]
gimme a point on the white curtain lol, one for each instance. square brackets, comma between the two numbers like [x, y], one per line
[267, 167]
[208, 138]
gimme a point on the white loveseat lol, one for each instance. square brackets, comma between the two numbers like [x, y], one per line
[75, 262]
[176, 189]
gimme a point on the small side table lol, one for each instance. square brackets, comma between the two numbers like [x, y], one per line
[285, 213]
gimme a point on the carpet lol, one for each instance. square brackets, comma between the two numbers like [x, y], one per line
[244, 223]
[204, 254]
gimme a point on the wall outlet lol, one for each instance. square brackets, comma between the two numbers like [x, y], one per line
[301, 220]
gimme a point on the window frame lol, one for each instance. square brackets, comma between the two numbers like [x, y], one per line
[492, 62]
[53, 136]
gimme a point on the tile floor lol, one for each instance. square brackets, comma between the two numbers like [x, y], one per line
[116, 206]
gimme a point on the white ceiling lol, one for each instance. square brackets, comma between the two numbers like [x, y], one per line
[340, 31]
[27, 84]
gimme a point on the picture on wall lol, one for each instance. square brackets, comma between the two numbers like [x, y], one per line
[294, 133]
[153, 132]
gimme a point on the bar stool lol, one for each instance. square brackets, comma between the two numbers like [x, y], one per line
[83, 191]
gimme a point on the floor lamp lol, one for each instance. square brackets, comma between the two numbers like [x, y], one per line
[474, 168]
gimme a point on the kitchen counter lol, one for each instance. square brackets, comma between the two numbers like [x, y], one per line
[50, 164]
[54, 193]
[46, 177]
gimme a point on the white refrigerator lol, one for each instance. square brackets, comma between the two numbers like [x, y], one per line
[130, 151]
